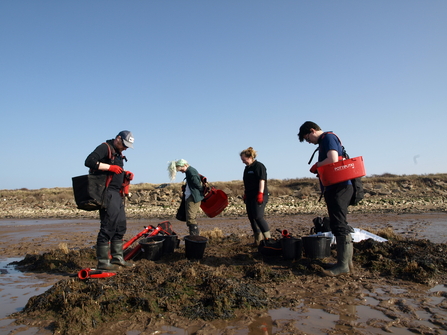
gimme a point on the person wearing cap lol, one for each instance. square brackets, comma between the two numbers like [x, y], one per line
[255, 194]
[193, 192]
[336, 196]
[108, 159]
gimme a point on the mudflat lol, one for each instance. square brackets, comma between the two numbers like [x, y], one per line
[398, 286]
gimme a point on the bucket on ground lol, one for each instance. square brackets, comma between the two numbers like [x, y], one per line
[291, 248]
[317, 246]
[152, 247]
[195, 246]
[214, 203]
[170, 243]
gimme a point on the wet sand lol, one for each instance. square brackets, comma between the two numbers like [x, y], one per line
[380, 306]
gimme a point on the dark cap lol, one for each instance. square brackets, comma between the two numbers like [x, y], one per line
[127, 138]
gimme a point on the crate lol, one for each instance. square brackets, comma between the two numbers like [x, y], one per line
[341, 171]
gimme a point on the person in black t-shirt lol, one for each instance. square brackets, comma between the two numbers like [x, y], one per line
[256, 194]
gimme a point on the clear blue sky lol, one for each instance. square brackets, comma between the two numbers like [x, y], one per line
[203, 80]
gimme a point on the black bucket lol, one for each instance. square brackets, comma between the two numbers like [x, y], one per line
[291, 248]
[195, 246]
[170, 243]
[152, 247]
[317, 246]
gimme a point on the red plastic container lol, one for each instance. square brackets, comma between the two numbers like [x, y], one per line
[214, 202]
[341, 171]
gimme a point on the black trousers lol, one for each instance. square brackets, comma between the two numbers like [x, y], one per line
[113, 219]
[337, 201]
[255, 214]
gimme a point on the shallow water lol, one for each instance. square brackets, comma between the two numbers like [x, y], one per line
[369, 314]
[16, 288]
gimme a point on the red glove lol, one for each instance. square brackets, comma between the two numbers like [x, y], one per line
[260, 198]
[313, 169]
[115, 169]
[125, 190]
[129, 175]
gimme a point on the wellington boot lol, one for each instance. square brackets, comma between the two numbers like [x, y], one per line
[193, 230]
[345, 251]
[267, 235]
[351, 265]
[102, 253]
[116, 249]
[258, 238]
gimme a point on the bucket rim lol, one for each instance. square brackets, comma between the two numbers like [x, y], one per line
[320, 236]
[196, 238]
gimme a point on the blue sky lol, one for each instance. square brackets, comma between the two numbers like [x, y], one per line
[203, 80]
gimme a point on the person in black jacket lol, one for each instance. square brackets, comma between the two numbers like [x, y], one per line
[255, 194]
[193, 192]
[108, 159]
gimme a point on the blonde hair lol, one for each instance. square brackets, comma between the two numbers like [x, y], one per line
[249, 152]
[173, 167]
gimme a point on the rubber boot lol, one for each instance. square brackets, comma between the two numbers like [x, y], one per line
[102, 253]
[116, 249]
[258, 238]
[345, 251]
[193, 230]
[267, 235]
[351, 264]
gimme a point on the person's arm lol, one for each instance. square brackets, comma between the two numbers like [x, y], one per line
[260, 196]
[93, 160]
[261, 185]
[332, 157]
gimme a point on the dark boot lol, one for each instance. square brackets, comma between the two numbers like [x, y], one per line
[193, 230]
[345, 250]
[116, 250]
[102, 253]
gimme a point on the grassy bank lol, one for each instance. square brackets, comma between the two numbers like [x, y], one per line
[384, 193]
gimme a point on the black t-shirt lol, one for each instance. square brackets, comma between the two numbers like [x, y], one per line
[252, 175]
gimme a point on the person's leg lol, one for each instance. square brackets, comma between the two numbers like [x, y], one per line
[259, 210]
[192, 209]
[258, 223]
[251, 212]
[337, 201]
[105, 234]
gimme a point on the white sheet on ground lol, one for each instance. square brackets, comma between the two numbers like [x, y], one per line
[357, 236]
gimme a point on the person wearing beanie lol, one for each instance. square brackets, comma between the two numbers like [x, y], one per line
[193, 192]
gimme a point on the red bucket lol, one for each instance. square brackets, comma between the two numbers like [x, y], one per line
[214, 202]
[340, 171]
